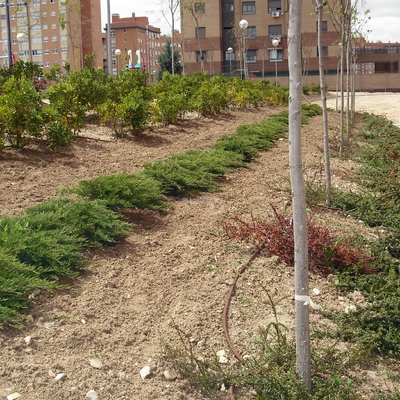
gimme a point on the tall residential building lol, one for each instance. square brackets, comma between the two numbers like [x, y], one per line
[213, 39]
[53, 31]
[138, 42]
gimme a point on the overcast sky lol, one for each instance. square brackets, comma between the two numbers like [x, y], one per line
[384, 22]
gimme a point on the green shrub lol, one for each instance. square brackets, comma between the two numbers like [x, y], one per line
[22, 113]
[58, 135]
[17, 282]
[124, 191]
[90, 220]
[52, 255]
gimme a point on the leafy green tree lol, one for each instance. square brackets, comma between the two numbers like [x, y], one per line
[165, 60]
[22, 115]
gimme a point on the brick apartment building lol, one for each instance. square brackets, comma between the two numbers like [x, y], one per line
[52, 31]
[217, 29]
[139, 43]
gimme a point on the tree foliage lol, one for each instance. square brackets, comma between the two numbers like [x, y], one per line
[165, 60]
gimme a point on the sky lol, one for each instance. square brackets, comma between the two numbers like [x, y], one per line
[384, 22]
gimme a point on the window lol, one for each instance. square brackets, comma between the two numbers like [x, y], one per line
[200, 7]
[45, 39]
[44, 14]
[324, 26]
[53, 26]
[52, 1]
[275, 54]
[113, 44]
[274, 31]
[200, 56]
[114, 62]
[249, 7]
[53, 13]
[324, 51]
[64, 50]
[112, 33]
[63, 38]
[251, 56]
[3, 17]
[47, 64]
[54, 38]
[45, 26]
[201, 32]
[274, 5]
[46, 52]
[36, 40]
[227, 7]
[37, 52]
[250, 32]
[55, 51]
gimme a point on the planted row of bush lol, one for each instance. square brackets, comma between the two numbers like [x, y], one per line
[127, 102]
[47, 242]
[375, 327]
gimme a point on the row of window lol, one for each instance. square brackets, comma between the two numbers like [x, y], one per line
[152, 35]
[248, 7]
[251, 55]
[275, 54]
[33, 3]
[250, 32]
[36, 40]
[40, 52]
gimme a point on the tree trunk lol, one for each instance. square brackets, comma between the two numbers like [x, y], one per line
[324, 107]
[303, 353]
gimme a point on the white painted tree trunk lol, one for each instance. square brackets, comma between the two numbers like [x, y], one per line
[303, 353]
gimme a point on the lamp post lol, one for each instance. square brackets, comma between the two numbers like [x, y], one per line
[117, 53]
[230, 52]
[20, 38]
[275, 43]
[243, 24]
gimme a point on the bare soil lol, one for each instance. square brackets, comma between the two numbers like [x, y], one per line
[175, 266]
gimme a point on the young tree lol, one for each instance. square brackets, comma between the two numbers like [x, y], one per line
[303, 351]
[173, 6]
[328, 185]
[165, 60]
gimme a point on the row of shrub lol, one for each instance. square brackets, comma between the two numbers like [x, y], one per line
[47, 242]
[127, 102]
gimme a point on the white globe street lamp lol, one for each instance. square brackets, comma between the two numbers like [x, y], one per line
[117, 53]
[20, 38]
[243, 25]
[230, 52]
[275, 43]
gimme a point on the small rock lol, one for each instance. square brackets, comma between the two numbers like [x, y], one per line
[350, 309]
[223, 360]
[96, 363]
[59, 377]
[145, 372]
[28, 340]
[316, 291]
[13, 396]
[123, 376]
[92, 395]
[169, 375]
[221, 353]
[52, 374]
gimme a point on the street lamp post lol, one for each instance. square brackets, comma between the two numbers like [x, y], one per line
[243, 24]
[230, 52]
[117, 53]
[20, 38]
[275, 43]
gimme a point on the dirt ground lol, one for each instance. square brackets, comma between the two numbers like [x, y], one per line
[175, 266]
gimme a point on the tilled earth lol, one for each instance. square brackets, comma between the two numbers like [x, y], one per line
[175, 266]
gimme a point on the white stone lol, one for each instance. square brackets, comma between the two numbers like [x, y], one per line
[96, 363]
[221, 353]
[145, 372]
[316, 291]
[92, 395]
[169, 375]
[13, 396]
[350, 309]
[223, 360]
[28, 340]
[59, 377]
